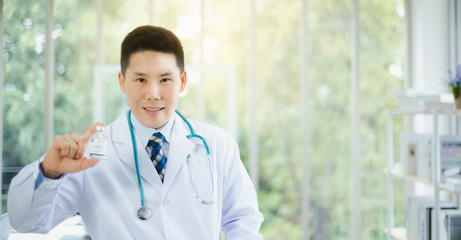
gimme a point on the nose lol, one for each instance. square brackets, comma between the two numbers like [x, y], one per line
[153, 91]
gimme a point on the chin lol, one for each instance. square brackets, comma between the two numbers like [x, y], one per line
[154, 124]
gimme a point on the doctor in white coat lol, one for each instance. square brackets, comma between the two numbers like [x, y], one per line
[107, 194]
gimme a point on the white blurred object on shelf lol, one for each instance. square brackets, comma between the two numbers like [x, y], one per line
[422, 100]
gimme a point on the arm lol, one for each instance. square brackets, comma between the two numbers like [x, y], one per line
[241, 216]
[29, 207]
[37, 205]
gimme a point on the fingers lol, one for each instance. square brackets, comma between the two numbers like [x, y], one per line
[74, 152]
[67, 145]
[90, 131]
[66, 155]
[88, 162]
[83, 140]
[73, 146]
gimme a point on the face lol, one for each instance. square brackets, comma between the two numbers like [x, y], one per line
[152, 84]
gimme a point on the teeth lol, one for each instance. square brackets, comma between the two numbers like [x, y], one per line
[152, 109]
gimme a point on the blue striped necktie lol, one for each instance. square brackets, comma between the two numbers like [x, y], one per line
[154, 148]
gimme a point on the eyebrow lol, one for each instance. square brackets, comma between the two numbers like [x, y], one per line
[141, 74]
[166, 74]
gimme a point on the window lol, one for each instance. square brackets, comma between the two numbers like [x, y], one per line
[224, 46]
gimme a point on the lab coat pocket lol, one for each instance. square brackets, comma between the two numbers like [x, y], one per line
[203, 187]
[204, 204]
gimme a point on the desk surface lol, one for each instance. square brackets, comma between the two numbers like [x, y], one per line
[71, 229]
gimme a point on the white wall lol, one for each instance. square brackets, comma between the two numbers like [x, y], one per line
[429, 53]
[430, 43]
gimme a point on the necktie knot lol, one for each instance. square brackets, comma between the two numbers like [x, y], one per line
[154, 148]
[157, 138]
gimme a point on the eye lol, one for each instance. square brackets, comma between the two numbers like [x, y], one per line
[164, 80]
[141, 80]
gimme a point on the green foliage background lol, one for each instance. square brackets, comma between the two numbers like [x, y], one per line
[278, 93]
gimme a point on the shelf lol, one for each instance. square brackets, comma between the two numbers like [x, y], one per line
[427, 111]
[393, 171]
[399, 173]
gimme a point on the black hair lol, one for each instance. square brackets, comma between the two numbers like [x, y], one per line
[152, 38]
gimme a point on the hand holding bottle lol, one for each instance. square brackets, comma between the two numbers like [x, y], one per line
[66, 154]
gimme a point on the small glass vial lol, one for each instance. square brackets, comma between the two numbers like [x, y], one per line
[98, 144]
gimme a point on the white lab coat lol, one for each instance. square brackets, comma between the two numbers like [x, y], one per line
[107, 195]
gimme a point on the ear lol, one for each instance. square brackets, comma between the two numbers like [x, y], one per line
[121, 81]
[183, 81]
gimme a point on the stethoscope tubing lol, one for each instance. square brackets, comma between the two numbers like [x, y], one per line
[135, 154]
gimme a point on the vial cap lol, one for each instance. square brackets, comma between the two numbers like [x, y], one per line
[100, 128]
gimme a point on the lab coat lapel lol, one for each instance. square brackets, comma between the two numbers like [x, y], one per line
[121, 138]
[180, 147]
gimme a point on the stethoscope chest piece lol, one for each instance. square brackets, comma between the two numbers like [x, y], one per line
[144, 213]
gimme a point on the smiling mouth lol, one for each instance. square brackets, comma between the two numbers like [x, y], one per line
[153, 109]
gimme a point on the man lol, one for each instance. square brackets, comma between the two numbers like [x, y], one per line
[175, 180]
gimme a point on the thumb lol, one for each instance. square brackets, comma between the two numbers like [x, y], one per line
[85, 138]
[88, 162]
[90, 131]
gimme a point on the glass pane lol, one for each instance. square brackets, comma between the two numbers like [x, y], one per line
[382, 58]
[74, 33]
[278, 113]
[23, 59]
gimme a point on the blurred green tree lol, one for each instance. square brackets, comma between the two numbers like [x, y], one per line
[278, 94]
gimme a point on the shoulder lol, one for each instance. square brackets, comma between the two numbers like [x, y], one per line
[210, 132]
[207, 128]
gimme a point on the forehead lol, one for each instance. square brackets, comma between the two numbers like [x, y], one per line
[153, 62]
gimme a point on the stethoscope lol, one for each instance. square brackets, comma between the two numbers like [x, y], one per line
[144, 212]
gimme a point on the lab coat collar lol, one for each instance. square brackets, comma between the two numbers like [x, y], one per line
[180, 148]
[145, 133]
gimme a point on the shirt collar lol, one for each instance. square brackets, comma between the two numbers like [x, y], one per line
[144, 133]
